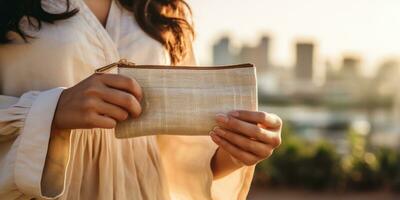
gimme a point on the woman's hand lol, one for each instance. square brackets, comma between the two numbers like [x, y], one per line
[247, 137]
[98, 102]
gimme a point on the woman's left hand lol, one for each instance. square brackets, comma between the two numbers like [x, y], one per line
[248, 136]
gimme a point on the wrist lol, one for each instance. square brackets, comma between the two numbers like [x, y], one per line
[223, 163]
[55, 125]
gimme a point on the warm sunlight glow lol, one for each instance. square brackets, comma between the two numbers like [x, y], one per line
[370, 28]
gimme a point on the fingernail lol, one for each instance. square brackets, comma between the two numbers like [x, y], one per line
[213, 135]
[219, 131]
[221, 118]
[234, 113]
[216, 138]
[274, 120]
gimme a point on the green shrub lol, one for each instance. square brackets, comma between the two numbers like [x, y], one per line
[298, 163]
[315, 167]
[321, 168]
[389, 163]
[389, 160]
[362, 173]
[282, 167]
[361, 167]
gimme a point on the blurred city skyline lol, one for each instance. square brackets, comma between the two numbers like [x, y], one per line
[366, 29]
[330, 70]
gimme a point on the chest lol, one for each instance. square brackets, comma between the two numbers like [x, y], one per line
[100, 9]
[68, 51]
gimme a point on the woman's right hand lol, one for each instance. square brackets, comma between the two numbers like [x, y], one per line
[99, 101]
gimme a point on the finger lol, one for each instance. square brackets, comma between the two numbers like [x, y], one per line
[243, 156]
[271, 121]
[123, 83]
[252, 146]
[122, 99]
[113, 111]
[101, 121]
[248, 129]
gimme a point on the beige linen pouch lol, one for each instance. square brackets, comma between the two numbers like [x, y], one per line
[183, 100]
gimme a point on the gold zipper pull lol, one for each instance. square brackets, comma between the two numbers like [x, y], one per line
[116, 64]
[126, 62]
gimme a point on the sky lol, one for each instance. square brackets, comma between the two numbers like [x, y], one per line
[366, 28]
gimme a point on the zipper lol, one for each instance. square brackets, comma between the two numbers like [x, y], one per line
[116, 64]
[124, 63]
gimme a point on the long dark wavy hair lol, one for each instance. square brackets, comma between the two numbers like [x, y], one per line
[167, 21]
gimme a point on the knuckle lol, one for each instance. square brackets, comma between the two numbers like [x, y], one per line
[232, 122]
[92, 90]
[89, 104]
[89, 120]
[128, 82]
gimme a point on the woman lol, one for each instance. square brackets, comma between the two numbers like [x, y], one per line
[57, 137]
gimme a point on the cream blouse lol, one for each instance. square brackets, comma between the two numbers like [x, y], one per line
[92, 163]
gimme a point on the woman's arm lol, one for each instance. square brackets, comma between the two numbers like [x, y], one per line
[24, 136]
[244, 139]
[35, 129]
[97, 102]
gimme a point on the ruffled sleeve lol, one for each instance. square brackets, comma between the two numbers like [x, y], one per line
[25, 127]
[187, 164]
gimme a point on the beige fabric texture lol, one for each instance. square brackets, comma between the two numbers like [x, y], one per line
[182, 101]
[92, 163]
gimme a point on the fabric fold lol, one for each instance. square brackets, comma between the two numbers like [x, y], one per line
[31, 152]
[186, 161]
[187, 165]
[13, 116]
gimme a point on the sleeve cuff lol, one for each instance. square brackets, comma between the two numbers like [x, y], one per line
[34, 141]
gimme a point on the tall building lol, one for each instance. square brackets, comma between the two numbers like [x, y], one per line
[222, 52]
[264, 47]
[351, 65]
[258, 55]
[304, 61]
[386, 81]
[261, 60]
